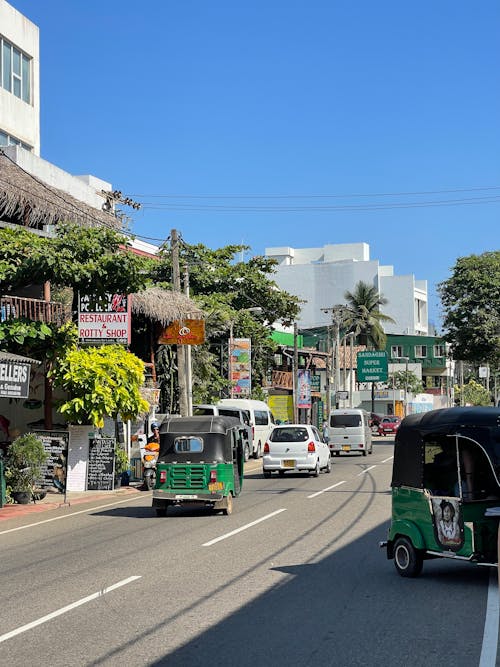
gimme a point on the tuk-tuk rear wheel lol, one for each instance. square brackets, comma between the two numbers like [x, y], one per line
[407, 560]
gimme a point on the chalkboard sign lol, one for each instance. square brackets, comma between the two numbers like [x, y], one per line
[101, 468]
[55, 444]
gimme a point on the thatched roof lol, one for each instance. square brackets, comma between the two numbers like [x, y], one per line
[29, 201]
[165, 306]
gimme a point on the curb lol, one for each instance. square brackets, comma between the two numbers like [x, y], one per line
[14, 511]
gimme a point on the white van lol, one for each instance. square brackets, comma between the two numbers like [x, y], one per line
[349, 431]
[261, 420]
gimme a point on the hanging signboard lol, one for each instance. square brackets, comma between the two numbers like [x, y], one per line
[104, 320]
[101, 466]
[183, 332]
[304, 389]
[14, 379]
[240, 367]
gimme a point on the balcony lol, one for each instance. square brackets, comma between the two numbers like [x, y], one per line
[50, 312]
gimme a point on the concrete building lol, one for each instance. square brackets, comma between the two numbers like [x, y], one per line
[19, 80]
[321, 276]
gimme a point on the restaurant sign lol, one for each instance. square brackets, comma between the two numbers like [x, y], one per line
[14, 379]
[183, 332]
[104, 320]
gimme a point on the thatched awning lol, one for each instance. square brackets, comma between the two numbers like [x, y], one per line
[165, 306]
[29, 201]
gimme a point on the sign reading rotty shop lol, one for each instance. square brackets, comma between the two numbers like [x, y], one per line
[14, 379]
[104, 320]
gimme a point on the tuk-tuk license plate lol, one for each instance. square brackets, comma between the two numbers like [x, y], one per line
[346, 448]
[185, 496]
[288, 463]
[216, 486]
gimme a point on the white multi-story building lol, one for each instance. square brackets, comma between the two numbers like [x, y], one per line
[19, 80]
[321, 276]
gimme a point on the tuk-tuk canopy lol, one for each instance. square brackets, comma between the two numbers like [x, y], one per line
[479, 424]
[215, 432]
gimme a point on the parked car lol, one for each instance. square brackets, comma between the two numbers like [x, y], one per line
[261, 419]
[296, 448]
[389, 425]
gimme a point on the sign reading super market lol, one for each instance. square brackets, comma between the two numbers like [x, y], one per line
[104, 320]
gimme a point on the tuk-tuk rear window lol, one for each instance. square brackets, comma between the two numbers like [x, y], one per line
[190, 444]
[341, 421]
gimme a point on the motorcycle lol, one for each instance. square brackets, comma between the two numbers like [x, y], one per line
[149, 459]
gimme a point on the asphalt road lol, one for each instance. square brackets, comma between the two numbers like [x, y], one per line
[294, 577]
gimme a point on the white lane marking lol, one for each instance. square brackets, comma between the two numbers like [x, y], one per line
[367, 469]
[67, 516]
[313, 495]
[238, 530]
[389, 459]
[63, 610]
[490, 635]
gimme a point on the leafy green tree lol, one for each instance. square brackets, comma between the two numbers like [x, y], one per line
[472, 393]
[227, 290]
[471, 306]
[363, 315]
[409, 380]
[101, 381]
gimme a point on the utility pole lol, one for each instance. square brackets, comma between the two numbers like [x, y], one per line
[295, 374]
[181, 357]
[187, 354]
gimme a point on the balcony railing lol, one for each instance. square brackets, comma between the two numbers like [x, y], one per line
[36, 310]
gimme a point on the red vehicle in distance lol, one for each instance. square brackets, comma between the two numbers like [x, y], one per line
[389, 425]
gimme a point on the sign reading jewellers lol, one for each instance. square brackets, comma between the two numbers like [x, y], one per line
[14, 379]
[104, 320]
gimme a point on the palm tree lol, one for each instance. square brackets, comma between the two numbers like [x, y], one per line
[363, 316]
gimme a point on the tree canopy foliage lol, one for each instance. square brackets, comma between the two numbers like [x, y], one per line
[236, 296]
[471, 306]
[363, 315]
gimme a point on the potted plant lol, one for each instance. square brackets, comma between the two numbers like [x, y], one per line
[121, 465]
[25, 458]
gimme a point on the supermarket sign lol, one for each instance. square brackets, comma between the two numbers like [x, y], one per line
[372, 366]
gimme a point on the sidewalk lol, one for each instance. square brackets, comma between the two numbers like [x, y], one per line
[54, 501]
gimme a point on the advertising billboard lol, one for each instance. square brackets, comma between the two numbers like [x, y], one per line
[240, 368]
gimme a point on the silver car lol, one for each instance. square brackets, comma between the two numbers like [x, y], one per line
[296, 448]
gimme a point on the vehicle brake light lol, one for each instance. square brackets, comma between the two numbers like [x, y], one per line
[266, 448]
[311, 447]
[163, 476]
[213, 476]
[253, 430]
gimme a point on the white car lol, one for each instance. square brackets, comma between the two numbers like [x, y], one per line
[295, 447]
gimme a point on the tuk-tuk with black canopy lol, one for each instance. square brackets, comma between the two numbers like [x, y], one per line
[200, 461]
[445, 488]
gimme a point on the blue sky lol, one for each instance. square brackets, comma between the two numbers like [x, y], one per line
[284, 123]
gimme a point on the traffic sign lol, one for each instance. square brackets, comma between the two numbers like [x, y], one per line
[372, 366]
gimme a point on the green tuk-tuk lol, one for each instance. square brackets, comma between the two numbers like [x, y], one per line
[445, 488]
[200, 461]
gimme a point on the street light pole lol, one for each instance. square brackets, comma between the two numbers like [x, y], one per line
[405, 404]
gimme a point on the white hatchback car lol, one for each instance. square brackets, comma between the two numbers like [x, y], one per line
[295, 447]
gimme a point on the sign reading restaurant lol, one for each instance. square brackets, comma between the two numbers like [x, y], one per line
[104, 320]
[14, 379]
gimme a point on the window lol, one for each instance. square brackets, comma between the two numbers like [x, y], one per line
[15, 68]
[420, 351]
[396, 351]
[190, 444]
[345, 421]
[261, 418]
[439, 351]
